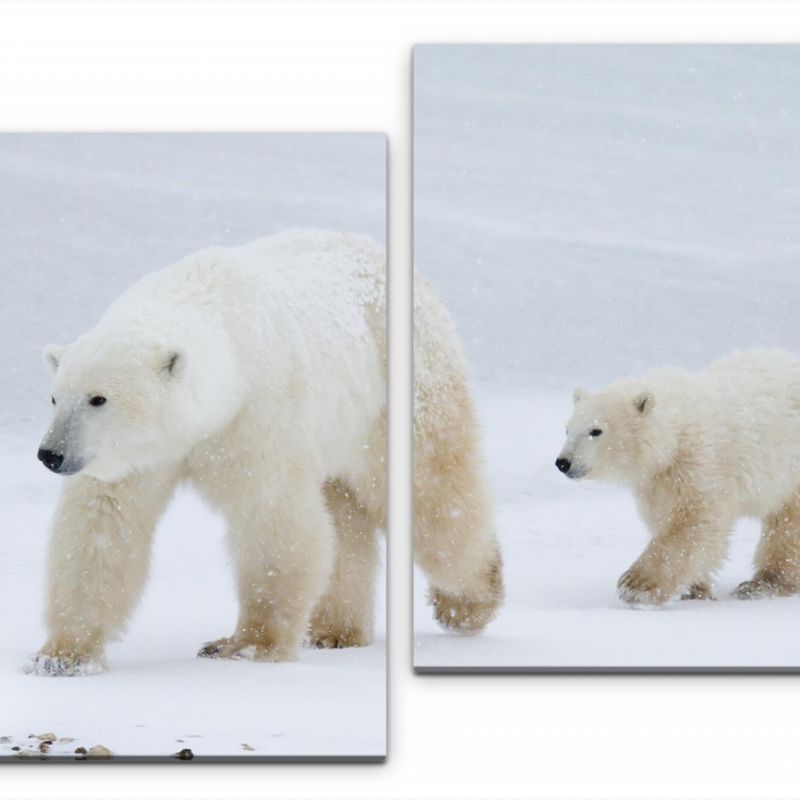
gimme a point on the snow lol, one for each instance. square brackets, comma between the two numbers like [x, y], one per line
[587, 213]
[81, 218]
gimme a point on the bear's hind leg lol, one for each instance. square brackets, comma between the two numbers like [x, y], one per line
[456, 548]
[454, 539]
[98, 563]
[777, 559]
[344, 616]
[282, 549]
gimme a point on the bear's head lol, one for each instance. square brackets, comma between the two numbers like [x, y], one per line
[122, 406]
[610, 434]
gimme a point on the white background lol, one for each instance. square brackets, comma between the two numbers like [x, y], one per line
[332, 65]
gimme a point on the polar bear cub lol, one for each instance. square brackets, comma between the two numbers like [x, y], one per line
[700, 450]
[258, 374]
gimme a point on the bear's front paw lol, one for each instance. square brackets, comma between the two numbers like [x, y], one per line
[240, 650]
[219, 648]
[61, 665]
[636, 588]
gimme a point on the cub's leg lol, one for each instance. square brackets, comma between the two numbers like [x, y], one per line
[685, 550]
[98, 563]
[344, 615]
[282, 547]
[454, 539]
[777, 559]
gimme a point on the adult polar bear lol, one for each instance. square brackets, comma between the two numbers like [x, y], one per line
[259, 374]
[699, 451]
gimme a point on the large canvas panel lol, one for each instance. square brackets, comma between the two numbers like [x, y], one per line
[587, 213]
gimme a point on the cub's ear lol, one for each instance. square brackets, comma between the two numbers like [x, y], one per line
[644, 402]
[52, 355]
[172, 363]
[578, 395]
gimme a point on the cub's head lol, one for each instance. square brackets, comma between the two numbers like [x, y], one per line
[607, 434]
[118, 406]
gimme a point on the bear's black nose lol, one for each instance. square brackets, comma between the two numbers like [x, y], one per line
[51, 459]
[563, 464]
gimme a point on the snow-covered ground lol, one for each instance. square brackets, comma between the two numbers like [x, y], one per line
[587, 213]
[80, 219]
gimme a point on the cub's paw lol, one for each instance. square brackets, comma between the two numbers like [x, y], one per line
[338, 638]
[637, 589]
[240, 650]
[60, 665]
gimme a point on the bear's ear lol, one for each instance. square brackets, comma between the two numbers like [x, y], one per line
[172, 363]
[578, 395]
[644, 402]
[52, 355]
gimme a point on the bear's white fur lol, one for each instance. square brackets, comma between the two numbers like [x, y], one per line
[700, 450]
[258, 373]
[454, 537]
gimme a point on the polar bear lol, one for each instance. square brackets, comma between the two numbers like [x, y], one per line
[454, 538]
[257, 373]
[700, 450]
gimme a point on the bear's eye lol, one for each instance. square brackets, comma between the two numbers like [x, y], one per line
[53, 400]
[595, 432]
[97, 400]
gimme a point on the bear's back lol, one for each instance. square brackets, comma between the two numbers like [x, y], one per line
[290, 279]
[754, 423]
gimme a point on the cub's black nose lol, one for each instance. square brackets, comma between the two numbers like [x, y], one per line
[51, 459]
[563, 464]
